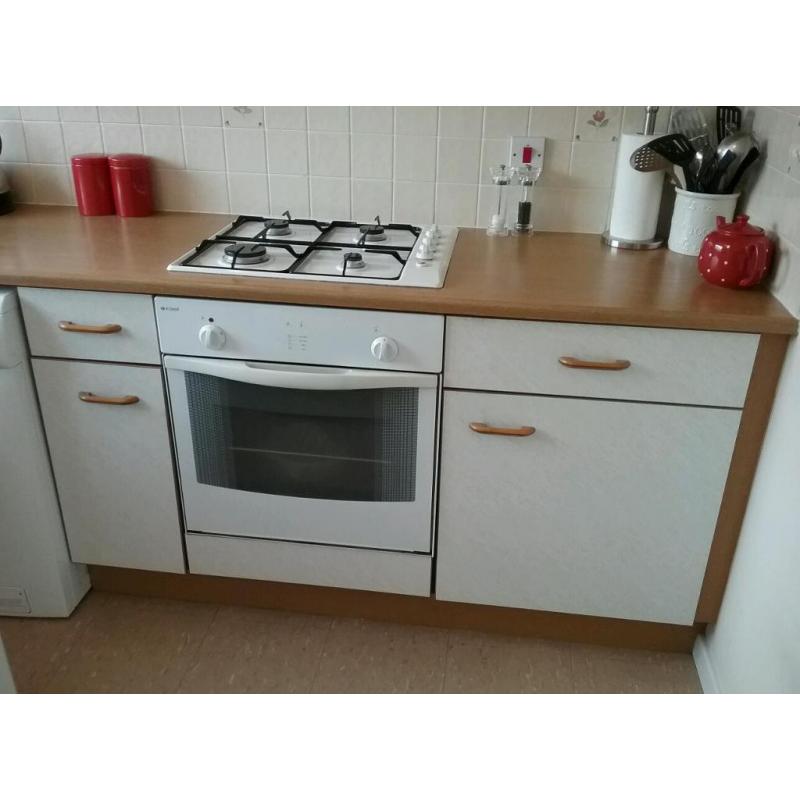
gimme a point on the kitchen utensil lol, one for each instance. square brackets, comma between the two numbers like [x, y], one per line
[692, 124]
[500, 178]
[6, 199]
[677, 149]
[736, 255]
[751, 156]
[526, 175]
[716, 177]
[130, 180]
[92, 179]
[643, 159]
[739, 145]
[694, 215]
[729, 120]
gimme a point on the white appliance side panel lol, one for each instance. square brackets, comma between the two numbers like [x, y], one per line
[301, 334]
[317, 565]
[608, 509]
[112, 464]
[389, 526]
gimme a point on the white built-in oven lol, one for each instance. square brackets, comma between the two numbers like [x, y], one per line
[281, 433]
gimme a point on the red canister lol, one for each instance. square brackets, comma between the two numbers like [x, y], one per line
[92, 180]
[130, 180]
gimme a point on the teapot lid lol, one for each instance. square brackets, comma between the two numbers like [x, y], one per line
[740, 226]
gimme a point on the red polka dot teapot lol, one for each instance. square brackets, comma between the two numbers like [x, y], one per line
[737, 255]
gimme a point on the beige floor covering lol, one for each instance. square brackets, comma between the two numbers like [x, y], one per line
[116, 643]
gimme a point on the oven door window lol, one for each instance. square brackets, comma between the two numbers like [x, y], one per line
[332, 445]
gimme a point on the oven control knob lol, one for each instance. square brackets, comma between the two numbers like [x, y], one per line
[212, 337]
[384, 348]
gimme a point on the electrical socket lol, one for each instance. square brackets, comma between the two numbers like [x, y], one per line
[517, 148]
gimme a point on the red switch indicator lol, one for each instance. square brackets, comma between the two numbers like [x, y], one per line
[527, 154]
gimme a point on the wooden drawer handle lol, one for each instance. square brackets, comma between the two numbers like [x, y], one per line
[74, 327]
[577, 363]
[482, 427]
[122, 400]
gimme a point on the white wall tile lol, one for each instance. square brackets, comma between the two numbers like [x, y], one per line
[20, 178]
[598, 123]
[40, 113]
[243, 116]
[288, 152]
[248, 193]
[204, 148]
[328, 118]
[592, 164]
[371, 198]
[372, 155]
[584, 210]
[415, 158]
[82, 137]
[557, 158]
[416, 120]
[458, 160]
[128, 114]
[52, 184]
[44, 142]
[206, 116]
[330, 198]
[185, 190]
[289, 192]
[330, 155]
[456, 204]
[121, 138]
[504, 121]
[286, 118]
[160, 115]
[553, 122]
[164, 144]
[246, 149]
[413, 202]
[461, 121]
[10, 112]
[372, 119]
[13, 137]
[78, 113]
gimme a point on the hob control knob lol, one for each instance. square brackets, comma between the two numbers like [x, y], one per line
[384, 348]
[212, 337]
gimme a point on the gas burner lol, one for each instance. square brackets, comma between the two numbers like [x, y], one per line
[352, 261]
[245, 254]
[373, 233]
[278, 227]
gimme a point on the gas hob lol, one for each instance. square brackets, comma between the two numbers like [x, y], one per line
[307, 249]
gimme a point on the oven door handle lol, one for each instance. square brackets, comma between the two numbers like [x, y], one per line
[285, 377]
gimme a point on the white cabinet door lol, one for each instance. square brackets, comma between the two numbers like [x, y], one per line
[112, 463]
[608, 509]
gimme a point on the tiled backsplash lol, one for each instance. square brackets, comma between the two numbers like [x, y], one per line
[412, 164]
[773, 198]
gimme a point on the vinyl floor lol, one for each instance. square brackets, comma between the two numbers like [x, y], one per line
[117, 643]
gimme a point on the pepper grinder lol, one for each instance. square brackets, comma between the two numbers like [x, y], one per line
[500, 178]
[526, 176]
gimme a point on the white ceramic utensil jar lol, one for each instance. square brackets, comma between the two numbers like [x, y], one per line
[694, 216]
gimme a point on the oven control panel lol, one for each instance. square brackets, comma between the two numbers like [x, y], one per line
[300, 334]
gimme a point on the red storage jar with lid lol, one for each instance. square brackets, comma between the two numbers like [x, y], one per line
[130, 180]
[92, 180]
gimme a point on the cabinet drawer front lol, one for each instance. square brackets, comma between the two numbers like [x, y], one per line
[669, 366]
[607, 509]
[100, 326]
[112, 463]
[318, 565]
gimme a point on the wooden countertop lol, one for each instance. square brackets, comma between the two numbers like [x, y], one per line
[550, 276]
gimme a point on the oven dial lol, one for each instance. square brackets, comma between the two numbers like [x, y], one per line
[212, 337]
[384, 348]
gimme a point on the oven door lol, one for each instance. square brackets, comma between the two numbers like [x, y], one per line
[305, 454]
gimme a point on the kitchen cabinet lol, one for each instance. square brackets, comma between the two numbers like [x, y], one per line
[106, 427]
[607, 509]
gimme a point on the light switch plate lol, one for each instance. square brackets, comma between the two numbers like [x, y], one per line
[517, 145]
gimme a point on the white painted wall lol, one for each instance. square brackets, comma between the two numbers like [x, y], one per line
[755, 644]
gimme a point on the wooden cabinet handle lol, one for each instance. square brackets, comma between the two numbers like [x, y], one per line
[578, 363]
[74, 327]
[122, 400]
[482, 427]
